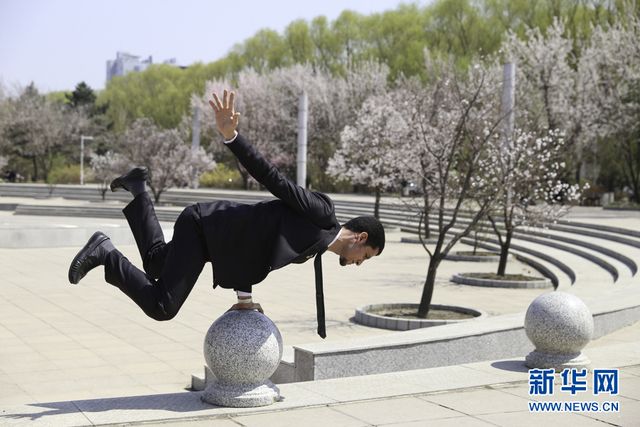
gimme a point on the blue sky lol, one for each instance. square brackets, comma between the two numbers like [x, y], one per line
[59, 43]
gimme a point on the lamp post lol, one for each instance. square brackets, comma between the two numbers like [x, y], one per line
[302, 140]
[82, 138]
[195, 142]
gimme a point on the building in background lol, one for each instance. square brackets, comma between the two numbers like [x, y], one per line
[124, 63]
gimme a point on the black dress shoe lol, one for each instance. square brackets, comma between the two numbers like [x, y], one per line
[136, 174]
[89, 257]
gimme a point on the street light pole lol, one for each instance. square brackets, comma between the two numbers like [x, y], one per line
[302, 140]
[82, 138]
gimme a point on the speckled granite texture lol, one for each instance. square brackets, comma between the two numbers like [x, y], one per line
[242, 348]
[559, 325]
[474, 281]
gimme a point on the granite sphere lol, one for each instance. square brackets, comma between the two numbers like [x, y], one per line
[558, 322]
[243, 347]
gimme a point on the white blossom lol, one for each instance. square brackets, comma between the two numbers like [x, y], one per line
[171, 162]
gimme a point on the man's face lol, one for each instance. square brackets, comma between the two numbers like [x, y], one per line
[357, 253]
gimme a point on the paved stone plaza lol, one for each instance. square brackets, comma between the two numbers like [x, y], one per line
[86, 355]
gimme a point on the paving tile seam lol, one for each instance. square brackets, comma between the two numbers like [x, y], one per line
[334, 406]
[454, 390]
[106, 362]
[274, 409]
[66, 370]
[81, 412]
[458, 414]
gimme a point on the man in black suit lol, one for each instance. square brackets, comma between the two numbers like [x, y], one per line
[243, 242]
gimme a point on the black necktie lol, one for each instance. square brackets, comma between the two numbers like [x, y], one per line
[317, 265]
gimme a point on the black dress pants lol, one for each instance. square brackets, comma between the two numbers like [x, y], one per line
[171, 269]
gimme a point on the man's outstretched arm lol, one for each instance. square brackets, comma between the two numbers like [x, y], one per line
[227, 121]
[316, 206]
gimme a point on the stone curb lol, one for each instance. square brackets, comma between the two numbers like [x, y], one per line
[545, 283]
[608, 252]
[620, 208]
[595, 259]
[543, 270]
[363, 317]
[475, 258]
[417, 240]
[595, 231]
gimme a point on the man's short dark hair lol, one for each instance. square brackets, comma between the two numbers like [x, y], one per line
[372, 227]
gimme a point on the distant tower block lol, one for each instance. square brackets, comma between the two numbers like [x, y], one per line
[124, 63]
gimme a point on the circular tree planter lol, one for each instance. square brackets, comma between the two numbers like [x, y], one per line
[366, 315]
[478, 257]
[417, 240]
[468, 279]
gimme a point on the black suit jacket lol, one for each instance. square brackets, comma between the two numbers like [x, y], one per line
[246, 242]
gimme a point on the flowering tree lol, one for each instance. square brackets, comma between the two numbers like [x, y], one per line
[170, 161]
[268, 103]
[261, 111]
[105, 168]
[324, 121]
[547, 92]
[372, 147]
[338, 105]
[532, 162]
[36, 129]
[609, 72]
[529, 169]
[451, 120]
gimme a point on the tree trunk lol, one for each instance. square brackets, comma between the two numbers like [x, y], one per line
[504, 253]
[35, 169]
[376, 208]
[427, 292]
[245, 180]
[427, 232]
[243, 173]
[156, 195]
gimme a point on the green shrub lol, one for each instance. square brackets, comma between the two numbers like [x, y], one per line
[64, 175]
[222, 177]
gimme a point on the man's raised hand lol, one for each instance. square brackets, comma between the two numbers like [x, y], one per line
[226, 117]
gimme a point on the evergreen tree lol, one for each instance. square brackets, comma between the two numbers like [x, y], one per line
[82, 96]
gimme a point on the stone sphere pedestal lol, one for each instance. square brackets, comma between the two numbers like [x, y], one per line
[242, 349]
[559, 325]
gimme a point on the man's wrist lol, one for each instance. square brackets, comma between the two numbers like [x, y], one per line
[244, 297]
[230, 137]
